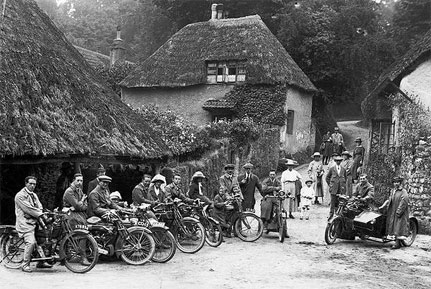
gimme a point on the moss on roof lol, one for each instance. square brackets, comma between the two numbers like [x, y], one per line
[181, 61]
[53, 103]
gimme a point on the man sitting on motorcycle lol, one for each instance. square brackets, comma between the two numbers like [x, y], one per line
[365, 191]
[270, 186]
[174, 190]
[99, 201]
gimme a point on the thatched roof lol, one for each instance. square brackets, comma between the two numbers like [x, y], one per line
[181, 61]
[95, 59]
[395, 73]
[212, 104]
[52, 102]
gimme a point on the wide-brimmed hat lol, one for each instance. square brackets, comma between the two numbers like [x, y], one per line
[198, 174]
[248, 166]
[105, 179]
[158, 178]
[338, 158]
[346, 153]
[308, 181]
[358, 139]
[229, 166]
[316, 154]
[399, 179]
[115, 195]
[290, 162]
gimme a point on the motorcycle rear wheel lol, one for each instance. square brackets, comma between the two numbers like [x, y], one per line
[248, 227]
[73, 247]
[190, 237]
[12, 251]
[413, 231]
[139, 248]
[165, 245]
[331, 231]
[213, 233]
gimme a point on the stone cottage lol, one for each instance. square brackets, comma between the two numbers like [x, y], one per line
[407, 78]
[194, 70]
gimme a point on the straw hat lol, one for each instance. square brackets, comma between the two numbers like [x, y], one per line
[248, 166]
[346, 153]
[158, 178]
[358, 139]
[399, 179]
[316, 154]
[105, 179]
[198, 174]
[229, 166]
[291, 162]
[338, 158]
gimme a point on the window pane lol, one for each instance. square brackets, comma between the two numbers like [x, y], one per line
[289, 121]
[232, 70]
[220, 71]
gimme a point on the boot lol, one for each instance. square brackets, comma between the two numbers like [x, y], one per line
[85, 262]
[26, 267]
[397, 244]
[43, 265]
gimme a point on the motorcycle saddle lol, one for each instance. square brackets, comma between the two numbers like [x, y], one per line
[94, 220]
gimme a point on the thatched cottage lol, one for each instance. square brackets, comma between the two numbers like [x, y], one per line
[409, 76]
[194, 70]
[54, 108]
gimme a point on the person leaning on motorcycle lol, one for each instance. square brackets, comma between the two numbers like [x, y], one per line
[27, 210]
[365, 191]
[397, 220]
[99, 201]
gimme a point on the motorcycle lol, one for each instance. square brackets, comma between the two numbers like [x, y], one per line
[353, 219]
[134, 245]
[278, 221]
[188, 232]
[56, 242]
[163, 238]
[213, 229]
[246, 225]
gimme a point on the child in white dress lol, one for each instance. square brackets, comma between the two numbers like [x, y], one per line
[307, 195]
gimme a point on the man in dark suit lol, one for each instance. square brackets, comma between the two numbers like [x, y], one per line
[336, 179]
[249, 182]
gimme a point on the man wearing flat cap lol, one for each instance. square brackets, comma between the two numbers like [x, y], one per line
[397, 220]
[336, 180]
[249, 182]
[99, 201]
[229, 183]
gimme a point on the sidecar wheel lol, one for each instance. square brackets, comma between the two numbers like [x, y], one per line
[413, 231]
[331, 231]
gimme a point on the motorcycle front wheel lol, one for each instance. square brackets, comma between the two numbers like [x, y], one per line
[248, 227]
[80, 252]
[12, 251]
[413, 231]
[165, 245]
[332, 230]
[282, 229]
[139, 248]
[190, 236]
[213, 233]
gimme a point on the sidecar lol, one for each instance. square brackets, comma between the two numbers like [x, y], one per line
[371, 225]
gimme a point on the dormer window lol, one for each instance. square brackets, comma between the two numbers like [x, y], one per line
[225, 71]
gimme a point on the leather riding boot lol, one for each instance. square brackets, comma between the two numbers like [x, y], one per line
[397, 244]
[43, 265]
[25, 267]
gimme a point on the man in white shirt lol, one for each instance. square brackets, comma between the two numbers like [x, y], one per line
[288, 185]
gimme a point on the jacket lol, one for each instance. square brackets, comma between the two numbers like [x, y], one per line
[27, 209]
[140, 195]
[99, 202]
[73, 198]
[336, 182]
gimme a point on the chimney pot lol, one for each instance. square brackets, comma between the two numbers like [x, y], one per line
[220, 11]
[214, 11]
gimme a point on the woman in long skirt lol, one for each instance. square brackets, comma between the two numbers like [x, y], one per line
[358, 158]
[315, 172]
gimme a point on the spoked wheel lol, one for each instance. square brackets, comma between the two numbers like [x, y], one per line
[213, 233]
[190, 237]
[81, 252]
[413, 231]
[331, 231]
[139, 248]
[12, 251]
[248, 227]
[165, 245]
[282, 230]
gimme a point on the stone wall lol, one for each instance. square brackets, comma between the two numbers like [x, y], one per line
[418, 166]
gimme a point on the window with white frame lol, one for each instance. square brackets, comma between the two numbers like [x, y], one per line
[225, 71]
[289, 121]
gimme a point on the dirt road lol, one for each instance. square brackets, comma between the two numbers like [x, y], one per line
[302, 261]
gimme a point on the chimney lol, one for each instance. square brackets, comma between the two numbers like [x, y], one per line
[220, 11]
[214, 11]
[117, 48]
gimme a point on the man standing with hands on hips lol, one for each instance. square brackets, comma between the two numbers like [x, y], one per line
[249, 182]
